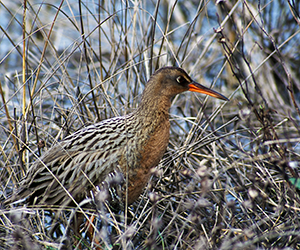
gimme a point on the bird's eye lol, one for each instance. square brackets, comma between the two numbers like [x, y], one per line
[180, 80]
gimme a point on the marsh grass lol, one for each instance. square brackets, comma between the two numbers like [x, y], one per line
[229, 177]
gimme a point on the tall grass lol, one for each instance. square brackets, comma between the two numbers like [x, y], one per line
[229, 177]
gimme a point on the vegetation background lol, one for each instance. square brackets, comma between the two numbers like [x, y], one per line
[229, 179]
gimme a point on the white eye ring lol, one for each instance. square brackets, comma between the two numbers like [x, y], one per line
[178, 79]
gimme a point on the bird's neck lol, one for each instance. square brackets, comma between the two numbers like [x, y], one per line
[153, 111]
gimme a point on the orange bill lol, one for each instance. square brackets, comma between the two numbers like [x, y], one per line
[197, 87]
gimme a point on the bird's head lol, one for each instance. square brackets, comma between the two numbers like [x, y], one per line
[170, 81]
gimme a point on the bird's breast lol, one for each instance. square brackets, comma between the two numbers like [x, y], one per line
[155, 147]
[150, 155]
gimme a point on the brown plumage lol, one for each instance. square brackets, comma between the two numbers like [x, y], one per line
[129, 146]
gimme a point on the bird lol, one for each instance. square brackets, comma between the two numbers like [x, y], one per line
[127, 146]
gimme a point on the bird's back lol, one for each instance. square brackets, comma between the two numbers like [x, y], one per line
[77, 164]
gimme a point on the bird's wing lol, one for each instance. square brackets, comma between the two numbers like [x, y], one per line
[76, 165]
